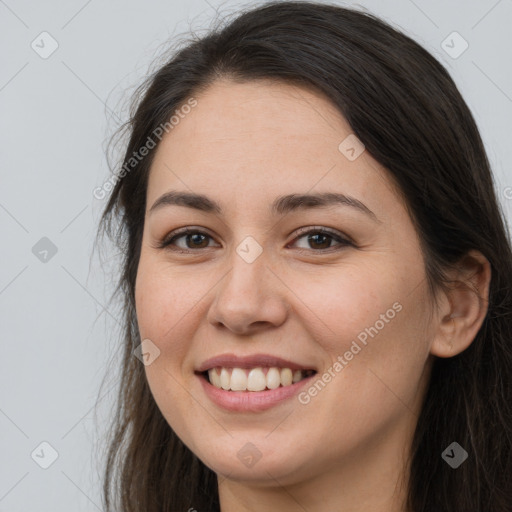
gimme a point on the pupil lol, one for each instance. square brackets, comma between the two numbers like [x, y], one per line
[194, 237]
[325, 237]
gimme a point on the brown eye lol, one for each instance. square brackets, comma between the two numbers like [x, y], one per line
[193, 240]
[196, 240]
[319, 240]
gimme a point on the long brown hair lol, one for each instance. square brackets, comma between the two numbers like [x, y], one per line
[403, 105]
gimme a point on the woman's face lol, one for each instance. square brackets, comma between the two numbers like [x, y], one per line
[268, 282]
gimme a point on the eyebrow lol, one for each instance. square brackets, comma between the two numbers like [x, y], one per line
[280, 206]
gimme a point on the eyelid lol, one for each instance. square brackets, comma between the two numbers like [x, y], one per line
[179, 232]
[341, 238]
[322, 229]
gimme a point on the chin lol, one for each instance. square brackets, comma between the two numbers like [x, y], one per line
[266, 465]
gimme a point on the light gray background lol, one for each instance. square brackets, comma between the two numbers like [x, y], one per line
[56, 116]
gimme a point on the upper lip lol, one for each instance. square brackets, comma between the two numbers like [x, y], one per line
[253, 361]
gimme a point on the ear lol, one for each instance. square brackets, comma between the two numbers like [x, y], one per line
[462, 309]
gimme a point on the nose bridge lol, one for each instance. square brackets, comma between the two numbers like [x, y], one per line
[247, 274]
[246, 294]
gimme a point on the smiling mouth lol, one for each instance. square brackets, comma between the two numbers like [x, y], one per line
[254, 379]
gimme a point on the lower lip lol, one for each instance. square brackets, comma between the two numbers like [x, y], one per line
[253, 401]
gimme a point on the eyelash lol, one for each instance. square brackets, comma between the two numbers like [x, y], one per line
[344, 242]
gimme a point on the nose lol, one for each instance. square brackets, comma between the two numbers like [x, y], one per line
[249, 298]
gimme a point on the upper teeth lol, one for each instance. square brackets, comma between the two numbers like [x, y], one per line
[256, 379]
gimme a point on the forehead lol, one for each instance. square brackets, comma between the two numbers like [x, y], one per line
[235, 117]
[259, 140]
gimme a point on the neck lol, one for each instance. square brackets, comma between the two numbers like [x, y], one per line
[373, 477]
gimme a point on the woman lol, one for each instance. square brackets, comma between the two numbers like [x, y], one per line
[316, 279]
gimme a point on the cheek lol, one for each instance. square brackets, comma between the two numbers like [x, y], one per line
[166, 303]
[344, 301]
[163, 314]
[375, 318]
[166, 299]
[386, 354]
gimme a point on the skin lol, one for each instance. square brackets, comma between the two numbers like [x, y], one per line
[243, 145]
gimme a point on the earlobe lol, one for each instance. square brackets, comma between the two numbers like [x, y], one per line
[463, 306]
